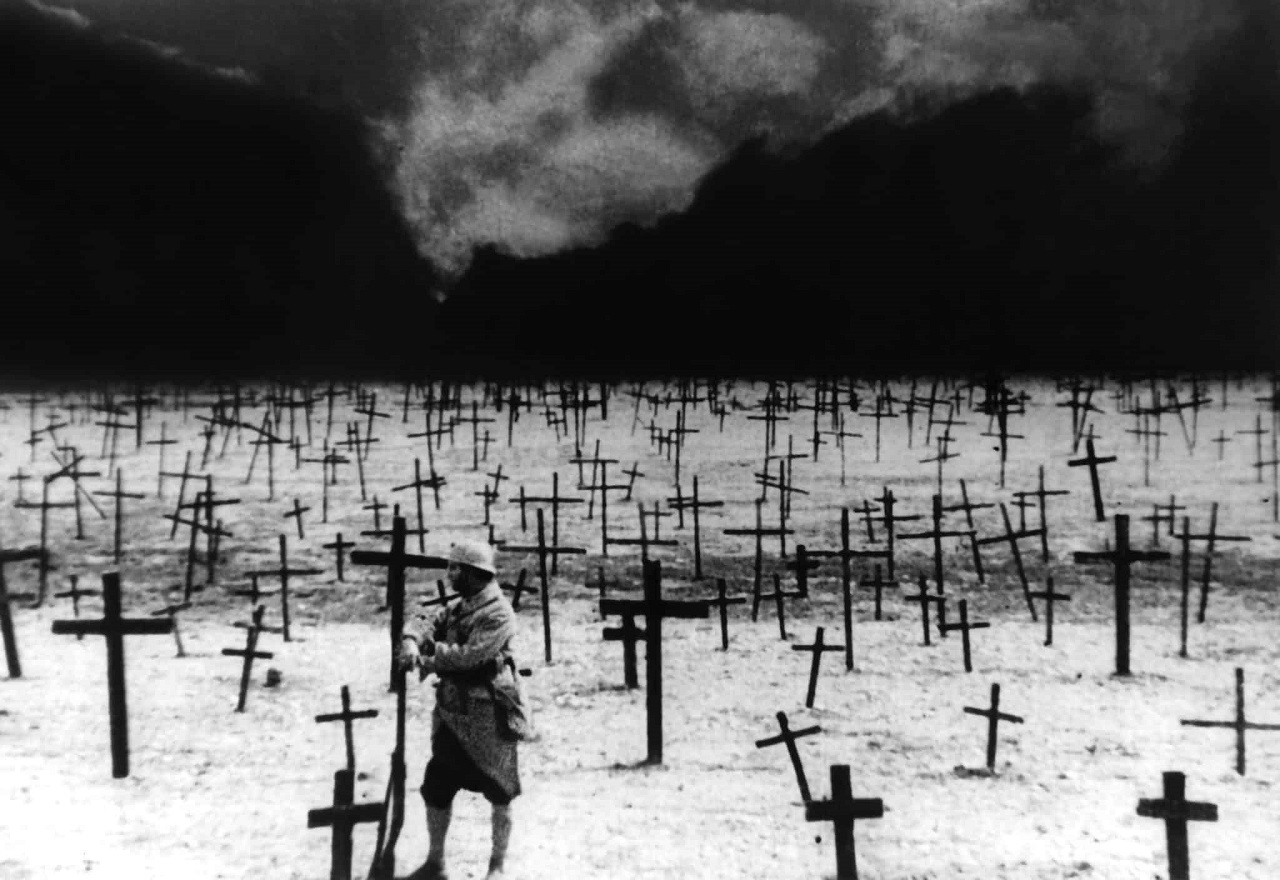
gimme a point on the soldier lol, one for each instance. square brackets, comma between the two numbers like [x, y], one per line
[467, 644]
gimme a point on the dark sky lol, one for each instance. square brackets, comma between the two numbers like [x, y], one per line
[536, 128]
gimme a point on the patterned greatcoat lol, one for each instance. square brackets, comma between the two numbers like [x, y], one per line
[472, 639]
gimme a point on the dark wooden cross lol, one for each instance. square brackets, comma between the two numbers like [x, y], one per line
[518, 589]
[655, 609]
[1221, 441]
[396, 561]
[1211, 538]
[184, 475]
[1041, 494]
[1258, 433]
[936, 534]
[6, 613]
[841, 809]
[694, 504]
[556, 500]
[1091, 461]
[789, 737]
[296, 513]
[964, 626]
[163, 442]
[21, 478]
[1177, 811]
[994, 716]
[816, 649]
[1011, 538]
[760, 533]
[171, 612]
[881, 413]
[722, 602]
[346, 716]
[629, 634]
[1050, 597]
[339, 547]
[1122, 558]
[644, 542]
[119, 495]
[1239, 724]
[923, 598]
[250, 653]
[544, 550]
[342, 817]
[417, 486]
[284, 572]
[604, 487]
[114, 627]
[74, 593]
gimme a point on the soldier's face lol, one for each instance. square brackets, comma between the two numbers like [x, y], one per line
[461, 578]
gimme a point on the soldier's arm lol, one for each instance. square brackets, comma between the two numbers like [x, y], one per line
[489, 635]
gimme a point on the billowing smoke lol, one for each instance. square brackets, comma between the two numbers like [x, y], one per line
[543, 123]
[538, 125]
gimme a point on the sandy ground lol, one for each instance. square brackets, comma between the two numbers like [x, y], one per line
[218, 794]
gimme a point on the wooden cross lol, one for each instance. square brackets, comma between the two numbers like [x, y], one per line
[6, 613]
[417, 486]
[556, 500]
[72, 470]
[923, 598]
[74, 593]
[1177, 811]
[21, 478]
[879, 415]
[604, 487]
[816, 649]
[114, 627]
[963, 626]
[695, 504]
[162, 443]
[937, 534]
[1049, 597]
[1238, 724]
[45, 506]
[644, 542]
[789, 737]
[396, 562]
[841, 809]
[284, 572]
[1122, 558]
[297, 512]
[722, 602]
[1011, 537]
[185, 474]
[346, 716]
[518, 589]
[994, 716]
[342, 817]
[119, 495]
[171, 612]
[629, 634]
[1041, 494]
[544, 550]
[1258, 433]
[249, 653]
[1211, 538]
[655, 609]
[760, 533]
[1221, 441]
[339, 547]
[1091, 461]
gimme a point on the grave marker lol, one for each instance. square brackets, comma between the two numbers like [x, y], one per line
[250, 652]
[342, 817]
[994, 716]
[655, 609]
[1091, 461]
[114, 627]
[1121, 558]
[1240, 725]
[789, 737]
[1177, 811]
[346, 716]
[964, 626]
[841, 809]
[816, 649]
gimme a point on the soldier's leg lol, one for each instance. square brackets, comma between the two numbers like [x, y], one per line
[501, 837]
